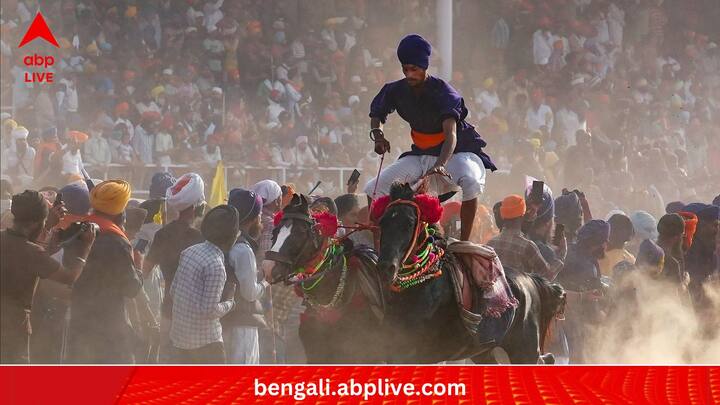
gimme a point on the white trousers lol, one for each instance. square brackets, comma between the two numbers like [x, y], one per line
[242, 345]
[467, 171]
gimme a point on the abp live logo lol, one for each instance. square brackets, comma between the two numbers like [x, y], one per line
[39, 29]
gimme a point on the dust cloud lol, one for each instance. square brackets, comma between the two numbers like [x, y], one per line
[658, 326]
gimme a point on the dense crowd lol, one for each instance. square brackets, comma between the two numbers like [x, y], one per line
[617, 100]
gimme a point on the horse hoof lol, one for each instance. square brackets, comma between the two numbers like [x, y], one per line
[546, 359]
[500, 355]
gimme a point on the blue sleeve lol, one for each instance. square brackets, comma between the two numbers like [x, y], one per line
[382, 104]
[450, 103]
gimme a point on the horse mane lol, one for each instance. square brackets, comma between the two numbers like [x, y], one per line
[401, 191]
[298, 204]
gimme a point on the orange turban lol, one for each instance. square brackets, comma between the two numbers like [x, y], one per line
[513, 206]
[79, 137]
[691, 221]
[122, 108]
[110, 196]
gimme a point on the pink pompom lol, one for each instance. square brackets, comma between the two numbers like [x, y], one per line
[278, 217]
[327, 223]
[378, 207]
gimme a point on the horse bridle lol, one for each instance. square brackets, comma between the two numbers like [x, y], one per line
[419, 225]
[293, 263]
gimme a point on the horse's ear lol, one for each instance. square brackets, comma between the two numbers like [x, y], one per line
[401, 191]
[446, 196]
[304, 206]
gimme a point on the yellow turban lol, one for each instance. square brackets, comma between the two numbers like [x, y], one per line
[489, 82]
[10, 123]
[156, 91]
[110, 196]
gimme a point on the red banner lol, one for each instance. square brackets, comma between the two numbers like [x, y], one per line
[361, 384]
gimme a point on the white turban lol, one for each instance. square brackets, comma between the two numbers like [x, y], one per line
[19, 133]
[268, 190]
[187, 191]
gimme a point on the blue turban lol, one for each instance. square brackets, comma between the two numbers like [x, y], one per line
[674, 207]
[76, 198]
[704, 212]
[594, 233]
[159, 184]
[546, 211]
[414, 50]
[645, 225]
[247, 203]
[568, 210]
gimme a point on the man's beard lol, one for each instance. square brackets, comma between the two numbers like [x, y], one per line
[254, 231]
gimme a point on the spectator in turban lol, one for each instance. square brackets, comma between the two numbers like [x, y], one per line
[513, 248]
[185, 200]
[581, 279]
[77, 201]
[99, 330]
[621, 232]
[568, 212]
[539, 229]
[240, 326]
[671, 229]
[645, 226]
[701, 259]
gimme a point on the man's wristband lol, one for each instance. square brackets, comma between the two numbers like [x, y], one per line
[374, 131]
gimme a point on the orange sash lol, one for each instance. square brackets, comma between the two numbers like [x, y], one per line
[426, 141]
[107, 225]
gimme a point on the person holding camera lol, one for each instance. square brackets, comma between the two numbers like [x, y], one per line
[24, 262]
[100, 331]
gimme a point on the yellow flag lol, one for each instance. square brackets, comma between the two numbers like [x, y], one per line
[218, 194]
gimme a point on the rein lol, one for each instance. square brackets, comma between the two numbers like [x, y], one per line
[427, 254]
[315, 269]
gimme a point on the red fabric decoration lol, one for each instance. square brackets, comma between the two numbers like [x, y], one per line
[278, 217]
[326, 223]
[430, 208]
[378, 207]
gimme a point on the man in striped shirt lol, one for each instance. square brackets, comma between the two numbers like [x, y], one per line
[197, 291]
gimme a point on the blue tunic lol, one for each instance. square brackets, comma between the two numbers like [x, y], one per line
[425, 113]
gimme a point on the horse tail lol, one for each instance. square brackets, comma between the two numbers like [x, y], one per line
[552, 301]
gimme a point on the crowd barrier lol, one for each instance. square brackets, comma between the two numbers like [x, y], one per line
[236, 175]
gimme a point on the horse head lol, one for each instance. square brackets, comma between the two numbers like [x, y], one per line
[298, 237]
[403, 217]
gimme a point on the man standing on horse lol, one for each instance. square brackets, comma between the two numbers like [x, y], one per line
[443, 142]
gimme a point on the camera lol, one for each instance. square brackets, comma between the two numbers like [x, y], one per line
[74, 230]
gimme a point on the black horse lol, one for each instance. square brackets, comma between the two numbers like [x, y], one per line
[426, 317]
[343, 296]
